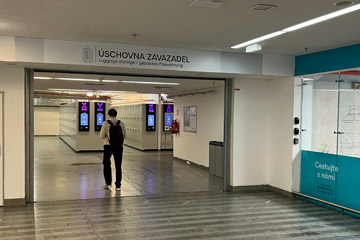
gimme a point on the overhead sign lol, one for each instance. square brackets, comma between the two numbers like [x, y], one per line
[84, 111]
[117, 55]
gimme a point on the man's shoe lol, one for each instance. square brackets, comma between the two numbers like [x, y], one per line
[107, 187]
[118, 189]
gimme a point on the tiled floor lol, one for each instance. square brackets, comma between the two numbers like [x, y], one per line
[178, 216]
[62, 174]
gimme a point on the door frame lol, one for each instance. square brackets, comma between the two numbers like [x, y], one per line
[2, 151]
[29, 122]
[29, 135]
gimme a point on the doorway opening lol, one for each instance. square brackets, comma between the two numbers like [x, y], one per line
[67, 161]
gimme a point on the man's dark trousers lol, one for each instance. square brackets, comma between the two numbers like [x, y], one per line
[117, 151]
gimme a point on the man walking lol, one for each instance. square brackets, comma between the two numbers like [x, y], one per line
[113, 132]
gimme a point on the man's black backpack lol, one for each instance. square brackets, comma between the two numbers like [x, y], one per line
[116, 134]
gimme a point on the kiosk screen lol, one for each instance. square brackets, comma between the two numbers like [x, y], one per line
[100, 119]
[168, 119]
[84, 119]
[151, 120]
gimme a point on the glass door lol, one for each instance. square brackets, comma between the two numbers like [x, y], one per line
[319, 136]
[348, 179]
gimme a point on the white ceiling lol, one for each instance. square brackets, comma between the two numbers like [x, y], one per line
[173, 23]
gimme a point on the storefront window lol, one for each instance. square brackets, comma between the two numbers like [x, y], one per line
[330, 156]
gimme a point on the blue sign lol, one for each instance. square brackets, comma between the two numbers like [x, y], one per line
[330, 177]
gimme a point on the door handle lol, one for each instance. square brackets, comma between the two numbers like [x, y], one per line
[338, 132]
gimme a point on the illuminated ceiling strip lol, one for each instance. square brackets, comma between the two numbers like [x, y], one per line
[300, 25]
[72, 90]
[78, 79]
[154, 83]
[43, 78]
[110, 81]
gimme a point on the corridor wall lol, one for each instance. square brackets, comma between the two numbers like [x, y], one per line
[46, 121]
[13, 85]
[262, 133]
[70, 134]
[191, 146]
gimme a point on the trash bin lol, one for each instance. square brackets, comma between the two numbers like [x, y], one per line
[216, 158]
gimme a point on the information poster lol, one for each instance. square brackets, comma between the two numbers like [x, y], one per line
[84, 111]
[190, 119]
[99, 115]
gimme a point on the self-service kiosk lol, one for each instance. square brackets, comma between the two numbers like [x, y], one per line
[166, 136]
[84, 111]
[99, 115]
[150, 117]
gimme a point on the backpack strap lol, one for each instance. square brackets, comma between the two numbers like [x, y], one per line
[118, 122]
[109, 122]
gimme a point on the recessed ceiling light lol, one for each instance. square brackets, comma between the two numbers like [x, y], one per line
[300, 25]
[263, 7]
[43, 78]
[154, 83]
[78, 79]
[343, 3]
[108, 80]
[207, 3]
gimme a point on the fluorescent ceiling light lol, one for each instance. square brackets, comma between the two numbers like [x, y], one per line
[308, 79]
[72, 90]
[108, 80]
[43, 78]
[259, 39]
[300, 25]
[78, 79]
[323, 18]
[89, 94]
[155, 83]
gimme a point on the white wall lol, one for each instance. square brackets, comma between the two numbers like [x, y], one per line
[262, 133]
[46, 121]
[250, 132]
[210, 126]
[68, 124]
[281, 133]
[296, 151]
[13, 84]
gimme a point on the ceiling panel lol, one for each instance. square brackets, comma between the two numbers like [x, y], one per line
[173, 23]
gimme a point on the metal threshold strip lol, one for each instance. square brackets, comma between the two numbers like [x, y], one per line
[328, 203]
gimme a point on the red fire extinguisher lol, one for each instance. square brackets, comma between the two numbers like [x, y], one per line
[175, 126]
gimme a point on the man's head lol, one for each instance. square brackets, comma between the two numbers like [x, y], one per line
[112, 113]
